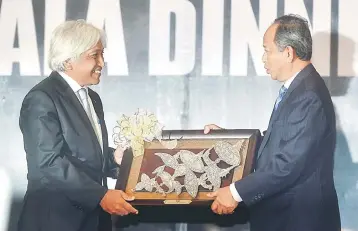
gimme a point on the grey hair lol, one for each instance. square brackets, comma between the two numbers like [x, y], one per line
[69, 40]
[293, 31]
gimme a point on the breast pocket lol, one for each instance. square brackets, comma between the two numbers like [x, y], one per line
[83, 151]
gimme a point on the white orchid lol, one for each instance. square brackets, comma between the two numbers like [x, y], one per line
[132, 131]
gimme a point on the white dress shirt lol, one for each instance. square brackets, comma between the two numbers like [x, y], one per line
[75, 87]
[233, 190]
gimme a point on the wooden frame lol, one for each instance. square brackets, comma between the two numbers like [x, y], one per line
[194, 140]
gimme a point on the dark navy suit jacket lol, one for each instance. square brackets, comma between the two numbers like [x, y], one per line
[66, 166]
[292, 187]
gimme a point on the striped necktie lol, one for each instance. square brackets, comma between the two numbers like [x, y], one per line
[281, 93]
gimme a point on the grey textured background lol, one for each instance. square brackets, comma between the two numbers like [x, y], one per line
[192, 100]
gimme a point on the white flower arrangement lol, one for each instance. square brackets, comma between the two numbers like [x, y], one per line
[133, 131]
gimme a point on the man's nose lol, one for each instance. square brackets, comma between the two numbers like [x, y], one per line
[100, 61]
[263, 58]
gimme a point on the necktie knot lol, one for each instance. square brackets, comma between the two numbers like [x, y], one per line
[281, 93]
[83, 94]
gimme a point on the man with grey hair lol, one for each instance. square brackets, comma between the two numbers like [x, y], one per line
[66, 141]
[292, 186]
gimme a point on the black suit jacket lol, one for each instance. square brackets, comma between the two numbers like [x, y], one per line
[66, 166]
[292, 187]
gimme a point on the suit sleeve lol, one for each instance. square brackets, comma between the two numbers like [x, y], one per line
[44, 146]
[304, 129]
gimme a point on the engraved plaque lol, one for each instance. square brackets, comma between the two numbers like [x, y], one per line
[185, 165]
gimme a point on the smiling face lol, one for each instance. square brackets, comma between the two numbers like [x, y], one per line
[86, 70]
[276, 61]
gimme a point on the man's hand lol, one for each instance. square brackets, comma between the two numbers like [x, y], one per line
[224, 202]
[210, 127]
[115, 202]
[118, 155]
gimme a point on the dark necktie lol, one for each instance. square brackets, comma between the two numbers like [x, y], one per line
[281, 93]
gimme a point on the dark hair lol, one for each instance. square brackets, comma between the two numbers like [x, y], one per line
[293, 31]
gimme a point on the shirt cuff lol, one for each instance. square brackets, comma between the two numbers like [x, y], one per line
[234, 193]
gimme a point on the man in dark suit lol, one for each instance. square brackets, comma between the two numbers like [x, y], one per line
[66, 141]
[291, 188]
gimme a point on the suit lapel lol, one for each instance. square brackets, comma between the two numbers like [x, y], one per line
[300, 76]
[99, 112]
[67, 93]
[266, 136]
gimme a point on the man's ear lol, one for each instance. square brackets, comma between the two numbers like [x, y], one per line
[290, 52]
[68, 65]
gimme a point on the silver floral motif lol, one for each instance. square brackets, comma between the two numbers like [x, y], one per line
[192, 160]
[190, 165]
[168, 160]
[191, 183]
[227, 152]
[146, 183]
